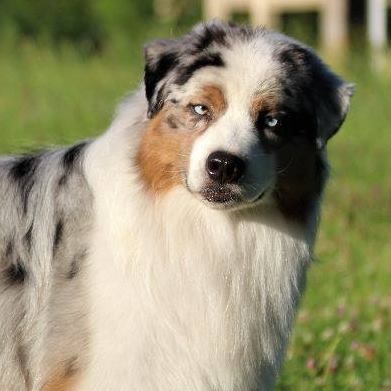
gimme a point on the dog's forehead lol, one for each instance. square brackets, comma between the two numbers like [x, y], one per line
[250, 68]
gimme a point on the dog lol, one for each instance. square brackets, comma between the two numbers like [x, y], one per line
[171, 252]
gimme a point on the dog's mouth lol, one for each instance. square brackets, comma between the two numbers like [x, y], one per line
[222, 197]
[226, 196]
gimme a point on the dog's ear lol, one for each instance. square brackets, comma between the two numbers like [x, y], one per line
[332, 100]
[322, 92]
[161, 57]
[175, 60]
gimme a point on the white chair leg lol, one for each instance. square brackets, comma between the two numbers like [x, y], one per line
[377, 23]
[216, 9]
[261, 13]
[334, 25]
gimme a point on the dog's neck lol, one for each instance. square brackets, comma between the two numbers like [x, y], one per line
[224, 281]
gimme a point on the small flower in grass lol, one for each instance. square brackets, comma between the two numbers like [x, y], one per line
[311, 365]
[378, 324]
[333, 364]
[341, 310]
[327, 334]
[344, 328]
[368, 352]
[320, 381]
[355, 345]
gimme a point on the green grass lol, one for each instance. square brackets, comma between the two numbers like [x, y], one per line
[342, 338]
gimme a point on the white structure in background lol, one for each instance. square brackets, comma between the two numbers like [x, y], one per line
[333, 15]
[377, 23]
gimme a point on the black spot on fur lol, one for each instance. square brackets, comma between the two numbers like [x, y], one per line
[212, 59]
[295, 57]
[316, 87]
[287, 58]
[159, 101]
[74, 270]
[28, 237]
[211, 34]
[156, 72]
[16, 273]
[22, 173]
[69, 160]
[72, 155]
[63, 180]
[58, 235]
[75, 265]
[23, 167]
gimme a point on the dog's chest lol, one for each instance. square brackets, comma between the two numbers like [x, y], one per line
[191, 307]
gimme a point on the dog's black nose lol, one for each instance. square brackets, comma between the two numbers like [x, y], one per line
[224, 167]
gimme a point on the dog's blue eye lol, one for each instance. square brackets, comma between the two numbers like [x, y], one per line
[271, 121]
[200, 109]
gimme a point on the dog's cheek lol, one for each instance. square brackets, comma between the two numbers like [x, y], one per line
[301, 175]
[164, 152]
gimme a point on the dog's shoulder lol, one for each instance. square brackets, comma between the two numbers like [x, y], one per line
[45, 220]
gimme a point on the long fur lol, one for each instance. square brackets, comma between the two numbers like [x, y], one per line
[107, 285]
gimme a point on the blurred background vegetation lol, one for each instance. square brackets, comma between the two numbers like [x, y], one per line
[65, 65]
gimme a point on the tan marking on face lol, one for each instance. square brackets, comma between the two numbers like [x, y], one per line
[263, 102]
[163, 154]
[165, 147]
[213, 97]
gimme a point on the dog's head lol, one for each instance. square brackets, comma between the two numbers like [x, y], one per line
[236, 113]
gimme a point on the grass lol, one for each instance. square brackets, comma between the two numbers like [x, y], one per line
[342, 338]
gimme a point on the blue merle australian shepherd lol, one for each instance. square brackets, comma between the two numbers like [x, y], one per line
[170, 253]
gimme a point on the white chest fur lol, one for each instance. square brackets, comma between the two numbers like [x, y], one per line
[184, 297]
